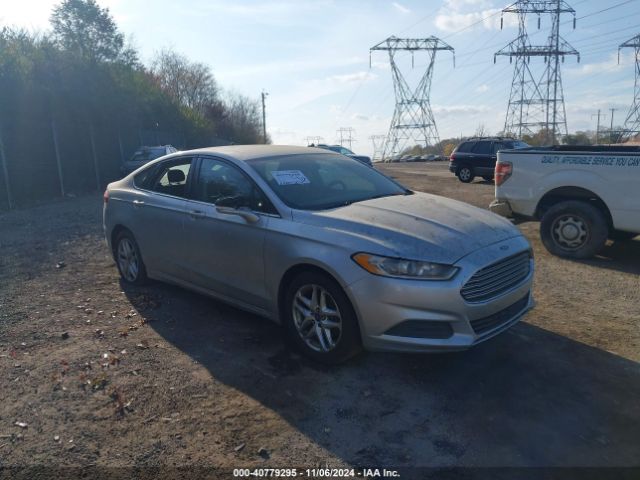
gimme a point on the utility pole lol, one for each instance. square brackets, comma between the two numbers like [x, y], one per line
[537, 102]
[611, 129]
[264, 117]
[632, 122]
[413, 122]
[598, 125]
[345, 135]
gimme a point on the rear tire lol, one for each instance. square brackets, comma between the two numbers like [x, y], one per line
[574, 229]
[465, 174]
[128, 259]
[488, 178]
[319, 319]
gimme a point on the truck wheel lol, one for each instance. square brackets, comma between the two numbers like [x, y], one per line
[574, 229]
[465, 174]
[620, 236]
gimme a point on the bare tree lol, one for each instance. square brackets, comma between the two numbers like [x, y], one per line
[191, 84]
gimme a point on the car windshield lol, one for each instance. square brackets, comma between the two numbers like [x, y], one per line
[319, 181]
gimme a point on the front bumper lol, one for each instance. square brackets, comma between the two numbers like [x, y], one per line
[383, 304]
[502, 208]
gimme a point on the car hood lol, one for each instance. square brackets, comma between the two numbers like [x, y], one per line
[419, 226]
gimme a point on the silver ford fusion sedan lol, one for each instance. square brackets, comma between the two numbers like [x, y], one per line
[341, 255]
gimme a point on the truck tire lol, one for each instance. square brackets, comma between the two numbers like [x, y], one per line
[574, 229]
[465, 174]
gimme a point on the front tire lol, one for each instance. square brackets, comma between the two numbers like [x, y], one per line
[488, 178]
[465, 174]
[319, 319]
[128, 259]
[574, 229]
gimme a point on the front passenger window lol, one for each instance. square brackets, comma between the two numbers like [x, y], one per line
[221, 183]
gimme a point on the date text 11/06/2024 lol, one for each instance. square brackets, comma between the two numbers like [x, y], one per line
[316, 472]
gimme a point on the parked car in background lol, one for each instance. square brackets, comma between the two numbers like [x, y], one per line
[581, 194]
[477, 157]
[340, 254]
[144, 155]
[345, 151]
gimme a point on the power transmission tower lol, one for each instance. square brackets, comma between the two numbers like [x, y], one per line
[537, 103]
[413, 122]
[378, 145]
[345, 135]
[632, 122]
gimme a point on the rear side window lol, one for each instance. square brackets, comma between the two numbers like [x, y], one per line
[464, 147]
[170, 177]
[145, 178]
[482, 148]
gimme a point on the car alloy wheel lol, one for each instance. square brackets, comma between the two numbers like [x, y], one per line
[128, 260]
[317, 318]
[465, 174]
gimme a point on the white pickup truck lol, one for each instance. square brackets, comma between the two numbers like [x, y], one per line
[581, 195]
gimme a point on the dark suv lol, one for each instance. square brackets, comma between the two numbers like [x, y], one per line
[477, 157]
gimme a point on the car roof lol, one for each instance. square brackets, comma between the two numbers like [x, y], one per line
[251, 152]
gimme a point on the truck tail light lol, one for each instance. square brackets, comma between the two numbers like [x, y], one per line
[503, 172]
[452, 157]
[105, 196]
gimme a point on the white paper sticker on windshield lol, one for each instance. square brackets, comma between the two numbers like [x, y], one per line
[289, 177]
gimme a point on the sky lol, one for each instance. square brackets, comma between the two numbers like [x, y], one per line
[312, 57]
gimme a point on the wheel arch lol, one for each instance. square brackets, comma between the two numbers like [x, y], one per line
[565, 193]
[115, 231]
[298, 268]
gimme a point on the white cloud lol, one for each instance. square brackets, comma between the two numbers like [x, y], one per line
[400, 8]
[444, 111]
[352, 77]
[359, 116]
[609, 65]
[461, 14]
[483, 88]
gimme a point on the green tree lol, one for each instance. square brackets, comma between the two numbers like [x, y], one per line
[84, 28]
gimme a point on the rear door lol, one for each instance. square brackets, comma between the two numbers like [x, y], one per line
[226, 251]
[483, 155]
[160, 212]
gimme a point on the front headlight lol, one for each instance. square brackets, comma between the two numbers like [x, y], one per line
[401, 268]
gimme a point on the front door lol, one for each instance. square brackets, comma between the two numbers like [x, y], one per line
[226, 250]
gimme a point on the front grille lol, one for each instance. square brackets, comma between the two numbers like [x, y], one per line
[487, 324]
[497, 278]
[421, 329]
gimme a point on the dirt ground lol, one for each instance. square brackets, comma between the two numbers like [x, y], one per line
[96, 375]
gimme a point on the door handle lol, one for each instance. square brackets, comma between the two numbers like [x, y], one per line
[196, 214]
[138, 203]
